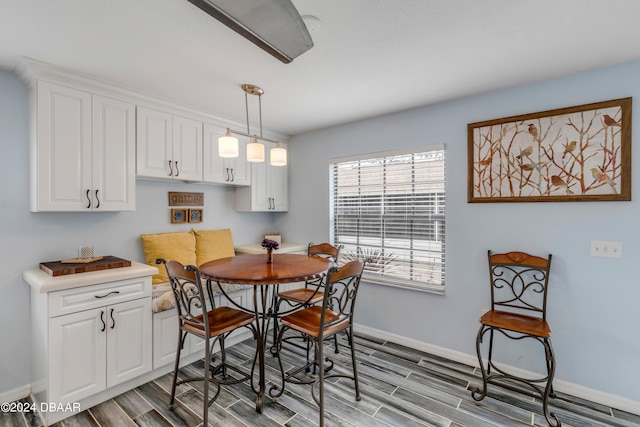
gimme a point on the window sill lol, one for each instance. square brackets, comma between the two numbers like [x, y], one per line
[406, 284]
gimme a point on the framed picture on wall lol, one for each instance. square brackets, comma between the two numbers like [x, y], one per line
[195, 215]
[179, 216]
[580, 153]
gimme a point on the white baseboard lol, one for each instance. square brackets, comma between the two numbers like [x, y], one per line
[618, 402]
[15, 394]
[607, 399]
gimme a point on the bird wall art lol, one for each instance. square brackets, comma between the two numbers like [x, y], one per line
[572, 154]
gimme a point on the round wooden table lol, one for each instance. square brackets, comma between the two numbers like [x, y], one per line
[254, 270]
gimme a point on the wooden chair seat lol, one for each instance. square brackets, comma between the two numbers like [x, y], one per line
[517, 323]
[302, 295]
[307, 321]
[221, 320]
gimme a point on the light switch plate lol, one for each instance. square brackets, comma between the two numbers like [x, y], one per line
[606, 249]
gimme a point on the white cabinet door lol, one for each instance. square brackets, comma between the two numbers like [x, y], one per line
[278, 178]
[239, 167]
[269, 188]
[187, 149]
[114, 154]
[62, 144]
[165, 337]
[154, 144]
[77, 356]
[261, 185]
[129, 338]
[219, 170]
[95, 349]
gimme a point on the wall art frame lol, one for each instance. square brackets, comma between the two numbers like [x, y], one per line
[580, 153]
[179, 216]
[195, 215]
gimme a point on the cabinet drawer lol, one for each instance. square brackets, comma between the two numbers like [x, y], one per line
[88, 297]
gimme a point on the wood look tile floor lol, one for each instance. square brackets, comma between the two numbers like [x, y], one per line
[400, 386]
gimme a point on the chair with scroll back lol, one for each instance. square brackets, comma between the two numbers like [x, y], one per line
[519, 285]
[204, 320]
[322, 322]
[311, 294]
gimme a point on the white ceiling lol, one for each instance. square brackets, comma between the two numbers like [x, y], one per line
[370, 57]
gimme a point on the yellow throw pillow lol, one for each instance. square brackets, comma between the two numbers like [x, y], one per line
[213, 244]
[179, 246]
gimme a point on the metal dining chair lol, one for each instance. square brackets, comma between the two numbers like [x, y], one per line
[519, 287]
[206, 321]
[319, 323]
[312, 293]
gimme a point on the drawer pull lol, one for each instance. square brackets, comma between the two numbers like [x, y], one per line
[104, 325]
[104, 296]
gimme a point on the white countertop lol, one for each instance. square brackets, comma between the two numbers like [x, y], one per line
[285, 248]
[43, 282]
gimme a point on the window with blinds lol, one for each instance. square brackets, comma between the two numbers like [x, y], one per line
[389, 210]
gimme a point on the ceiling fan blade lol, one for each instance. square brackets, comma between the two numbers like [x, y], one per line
[273, 25]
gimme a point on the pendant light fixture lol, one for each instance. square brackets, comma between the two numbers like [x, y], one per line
[255, 151]
[228, 144]
[278, 156]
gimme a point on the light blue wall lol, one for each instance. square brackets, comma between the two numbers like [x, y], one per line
[593, 302]
[30, 238]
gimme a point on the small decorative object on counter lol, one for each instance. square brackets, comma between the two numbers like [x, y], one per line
[270, 246]
[273, 235]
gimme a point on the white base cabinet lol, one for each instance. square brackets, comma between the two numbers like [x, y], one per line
[95, 349]
[90, 334]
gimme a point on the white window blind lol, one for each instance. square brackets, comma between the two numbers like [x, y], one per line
[389, 210]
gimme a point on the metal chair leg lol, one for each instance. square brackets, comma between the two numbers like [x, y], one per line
[353, 362]
[320, 361]
[476, 393]
[551, 418]
[207, 376]
[175, 371]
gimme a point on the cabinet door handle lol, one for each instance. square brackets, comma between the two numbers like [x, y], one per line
[232, 177]
[104, 325]
[88, 199]
[170, 169]
[113, 321]
[106, 295]
[227, 177]
[177, 170]
[98, 199]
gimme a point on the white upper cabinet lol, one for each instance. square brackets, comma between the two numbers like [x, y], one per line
[168, 146]
[114, 153]
[269, 187]
[219, 170]
[83, 151]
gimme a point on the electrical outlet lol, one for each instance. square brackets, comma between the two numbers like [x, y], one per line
[601, 248]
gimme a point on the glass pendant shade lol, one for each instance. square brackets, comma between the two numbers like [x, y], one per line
[278, 156]
[228, 145]
[255, 151]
